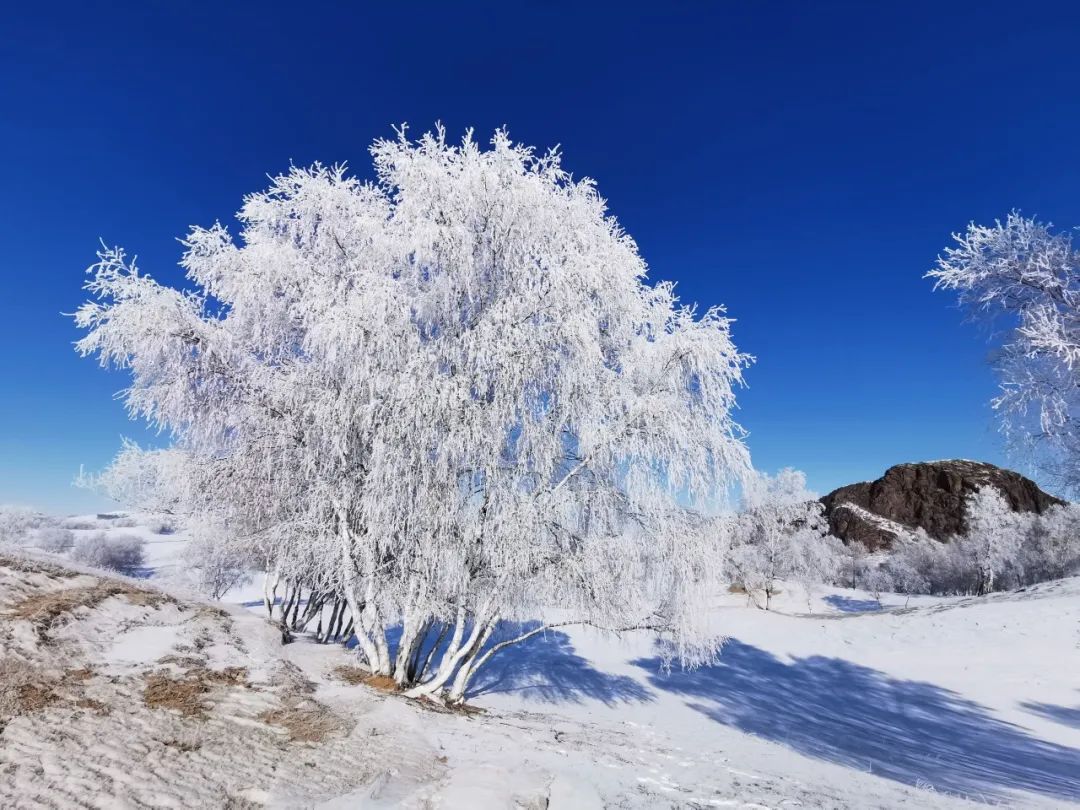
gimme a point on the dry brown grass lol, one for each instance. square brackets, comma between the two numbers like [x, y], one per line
[358, 675]
[183, 661]
[187, 746]
[306, 721]
[211, 612]
[144, 598]
[44, 610]
[76, 676]
[184, 695]
[240, 803]
[231, 676]
[187, 694]
[31, 566]
[24, 688]
[92, 705]
[440, 707]
[292, 679]
[33, 697]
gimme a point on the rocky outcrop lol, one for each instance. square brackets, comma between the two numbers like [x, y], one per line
[928, 495]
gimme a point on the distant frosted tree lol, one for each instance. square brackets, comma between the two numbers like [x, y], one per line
[1023, 279]
[1051, 548]
[907, 567]
[993, 536]
[16, 523]
[217, 561]
[781, 533]
[855, 563]
[55, 539]
[999, 549]
[449, 395]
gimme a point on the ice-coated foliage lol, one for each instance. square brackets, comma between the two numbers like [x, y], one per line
[122, 553]
[781, 533]
[149, 480]
[55, 539]
[17, 522]
[1000, 549]
[217, 561]
[1023, 279]
[993, 535]
[449, 396]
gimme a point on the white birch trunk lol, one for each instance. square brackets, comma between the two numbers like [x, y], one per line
[453, 658]
[469, 665]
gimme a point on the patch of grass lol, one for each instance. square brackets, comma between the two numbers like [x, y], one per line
[307, 721]
[73, 676]
[183, 661]
[292, 679]
[29, 566]
[240, 803]
[187, 746]
[44, 610]
[187, 694]
[184, 695]
[24, 688]
[358, 675]
[439, 707]
[92, 705]
[231, 676]
[144, 598]
[211, 612]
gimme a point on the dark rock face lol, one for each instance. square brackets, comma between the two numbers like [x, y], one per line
[929, 495]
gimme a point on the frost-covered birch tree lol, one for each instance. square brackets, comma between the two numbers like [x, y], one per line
[1023, 279]
[451, 390]
[781, 533]
[993, 536]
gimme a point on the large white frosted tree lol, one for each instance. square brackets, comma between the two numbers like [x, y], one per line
[454, 387]
[1023, 279]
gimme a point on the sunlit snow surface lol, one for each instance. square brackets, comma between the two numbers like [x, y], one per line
[830, 701]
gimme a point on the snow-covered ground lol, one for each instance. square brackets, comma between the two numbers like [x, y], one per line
[826, 702]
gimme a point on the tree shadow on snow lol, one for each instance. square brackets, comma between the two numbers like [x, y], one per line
[546, 668]
[908, 731]
[1066, 715]
[846, 604]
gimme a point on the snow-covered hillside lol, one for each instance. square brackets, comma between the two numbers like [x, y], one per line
[116, 693]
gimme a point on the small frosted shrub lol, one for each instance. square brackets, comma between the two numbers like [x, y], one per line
[55, 539]
[160, 525]
[123, 553]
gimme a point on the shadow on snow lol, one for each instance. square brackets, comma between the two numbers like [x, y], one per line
[546, 668]
[908, 731]
[847, 604]
[1066, 715]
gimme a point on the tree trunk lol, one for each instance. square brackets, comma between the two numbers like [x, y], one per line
[270, 583]
[408, 649]
[286, 602]
[362, 639]
[296, 602]
[330, 624]
[412, 633]
[454, 654]
[313, 608]
[469, 665]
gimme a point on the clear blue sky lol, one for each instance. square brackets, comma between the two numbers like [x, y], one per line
[802, 163]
